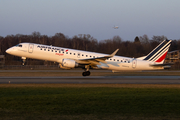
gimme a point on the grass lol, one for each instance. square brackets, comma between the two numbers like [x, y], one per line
[89, 101]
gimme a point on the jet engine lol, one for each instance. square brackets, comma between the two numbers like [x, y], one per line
[68, 63]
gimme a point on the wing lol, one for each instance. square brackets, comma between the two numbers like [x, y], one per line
[95, 61]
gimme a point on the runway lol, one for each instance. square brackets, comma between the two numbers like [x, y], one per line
[93, 80]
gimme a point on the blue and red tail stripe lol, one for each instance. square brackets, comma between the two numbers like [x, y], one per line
[160, 52]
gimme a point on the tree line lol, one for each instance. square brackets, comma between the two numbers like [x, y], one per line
[140, 46]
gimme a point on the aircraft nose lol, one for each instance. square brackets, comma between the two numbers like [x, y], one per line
[8, 51]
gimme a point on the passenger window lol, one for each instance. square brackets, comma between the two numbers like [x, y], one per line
[20, 46]
[82, 55]
[89, 56]
[44, 49]
[114, 60]
[66, 52]
[86, 55]
[55, 51]
[74, 53]
[52, 50]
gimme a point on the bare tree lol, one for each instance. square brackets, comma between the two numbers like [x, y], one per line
[159, 38]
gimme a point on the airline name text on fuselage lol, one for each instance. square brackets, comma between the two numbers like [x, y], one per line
[48, 47]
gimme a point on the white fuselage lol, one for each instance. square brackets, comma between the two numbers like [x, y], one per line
[57, 54]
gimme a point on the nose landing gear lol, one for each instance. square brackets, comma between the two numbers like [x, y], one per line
[23, 60]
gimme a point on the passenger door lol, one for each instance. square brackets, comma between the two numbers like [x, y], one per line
[134, 63]
[30, 48]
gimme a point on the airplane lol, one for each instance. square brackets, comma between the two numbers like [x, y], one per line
[72, 58]
[116, 27]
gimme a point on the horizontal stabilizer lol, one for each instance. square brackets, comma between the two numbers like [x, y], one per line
[158, 65]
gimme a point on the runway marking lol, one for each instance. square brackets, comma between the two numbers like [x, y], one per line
[95, 80]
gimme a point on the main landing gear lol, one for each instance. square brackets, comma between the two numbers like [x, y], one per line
[87, 72]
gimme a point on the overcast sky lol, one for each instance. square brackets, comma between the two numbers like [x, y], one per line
[94, 17]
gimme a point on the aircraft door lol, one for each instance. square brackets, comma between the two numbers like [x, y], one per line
[134, 63]
[30, 49]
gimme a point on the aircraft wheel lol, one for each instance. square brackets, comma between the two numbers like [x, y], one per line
[87, 73]
[84, 73]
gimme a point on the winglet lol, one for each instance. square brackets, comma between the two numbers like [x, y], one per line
[113, 53]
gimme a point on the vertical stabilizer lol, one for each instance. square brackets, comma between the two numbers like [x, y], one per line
[159, 53]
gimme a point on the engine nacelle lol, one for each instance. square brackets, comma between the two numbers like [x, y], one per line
[69, 63]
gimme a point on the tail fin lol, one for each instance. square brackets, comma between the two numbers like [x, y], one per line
[159, 53]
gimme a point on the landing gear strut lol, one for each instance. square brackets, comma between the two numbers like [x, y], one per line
[23, 60]
[87, 72]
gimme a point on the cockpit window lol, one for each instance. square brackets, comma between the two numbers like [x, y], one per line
[18, 45]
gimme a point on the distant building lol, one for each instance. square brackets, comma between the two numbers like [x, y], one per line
[173, 57]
